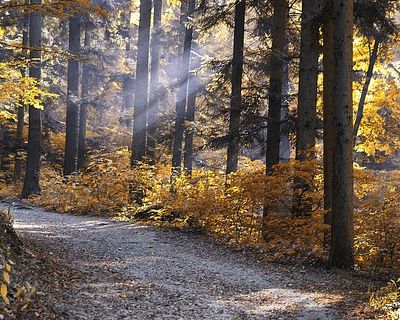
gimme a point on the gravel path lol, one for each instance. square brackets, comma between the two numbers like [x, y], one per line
[128, 271]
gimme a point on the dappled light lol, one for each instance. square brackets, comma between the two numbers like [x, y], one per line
[194, 159]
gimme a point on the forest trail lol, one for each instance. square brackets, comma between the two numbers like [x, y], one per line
[117, 270]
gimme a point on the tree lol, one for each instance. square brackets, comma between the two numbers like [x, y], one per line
[84, 103]
[154, 81]
[364, 92]
[128, 80]
[32, 173]
[328, 65]
[342, 252]
[307, 97]
[284, 143]
[21, 109]
[182, 92]
[275, 86]
[374, 22]
[236, 94]
[308, 75]
[190, 113]
[72, 120]
[142, 84]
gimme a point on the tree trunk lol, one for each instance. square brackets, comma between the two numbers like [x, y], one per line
[181, 96]
[308, 76]
[128, 81]
[236, 95]
[154, 82]
[21, 109]
[328, 65]
[342, 253]
[193, 88]
[307, 99]
[32, 173]
[128, 88]
[360, 111]
[275, 86]
[284, 143]
[19, 142]
[142, 84]
[84, 105]
[2, 146]
[72, 120]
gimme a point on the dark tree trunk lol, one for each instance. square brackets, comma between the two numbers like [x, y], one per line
[128, 88]
[328, 65]
[142, 84]
[275, 87]
[154, 82]
[128, 81]
[84, 105]
[72, 120]
[236, 95]
[181, 31]
[284, 143]
[307, 99]
[181, 96]
[21, 109]
[32, 173]
[342, 252]
[190, 114]
[360, 111]
[2, 146]
[19, 142]
[308, 75]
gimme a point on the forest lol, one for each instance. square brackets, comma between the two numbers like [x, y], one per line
[199, 159]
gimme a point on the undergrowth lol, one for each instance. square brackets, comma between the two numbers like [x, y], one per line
[232, 208]
[387, 300]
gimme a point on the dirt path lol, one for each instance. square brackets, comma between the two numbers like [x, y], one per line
[118, 270]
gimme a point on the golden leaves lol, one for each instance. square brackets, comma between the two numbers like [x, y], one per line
[17, 90]
[4, 293]
[6, 277]
[232, 208]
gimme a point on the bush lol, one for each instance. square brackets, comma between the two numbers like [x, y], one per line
[387, 300]
[233, 208]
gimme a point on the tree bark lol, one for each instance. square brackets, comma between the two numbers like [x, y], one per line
[154, 82]
[2, 146]
[370, 72]
[72, 119]
[328, 65]
[84, 104]
[284, 142]
[128, 81]
[21, 109]
[307, 99]
[342, 253]
[236, 94]
[275, 86]
[32, 173]
[193, 87]
[128, 88]
[142, 84]
[182, 92]
[308, 76]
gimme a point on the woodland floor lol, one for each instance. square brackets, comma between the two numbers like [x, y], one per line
[97, 268]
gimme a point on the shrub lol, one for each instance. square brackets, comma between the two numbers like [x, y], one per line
[245, 208]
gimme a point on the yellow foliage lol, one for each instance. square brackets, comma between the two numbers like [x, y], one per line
[377, 221]
[4, 293]
[379, 129]
[232, 208]
[6, 277]
[387, 299]
[17, 90]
